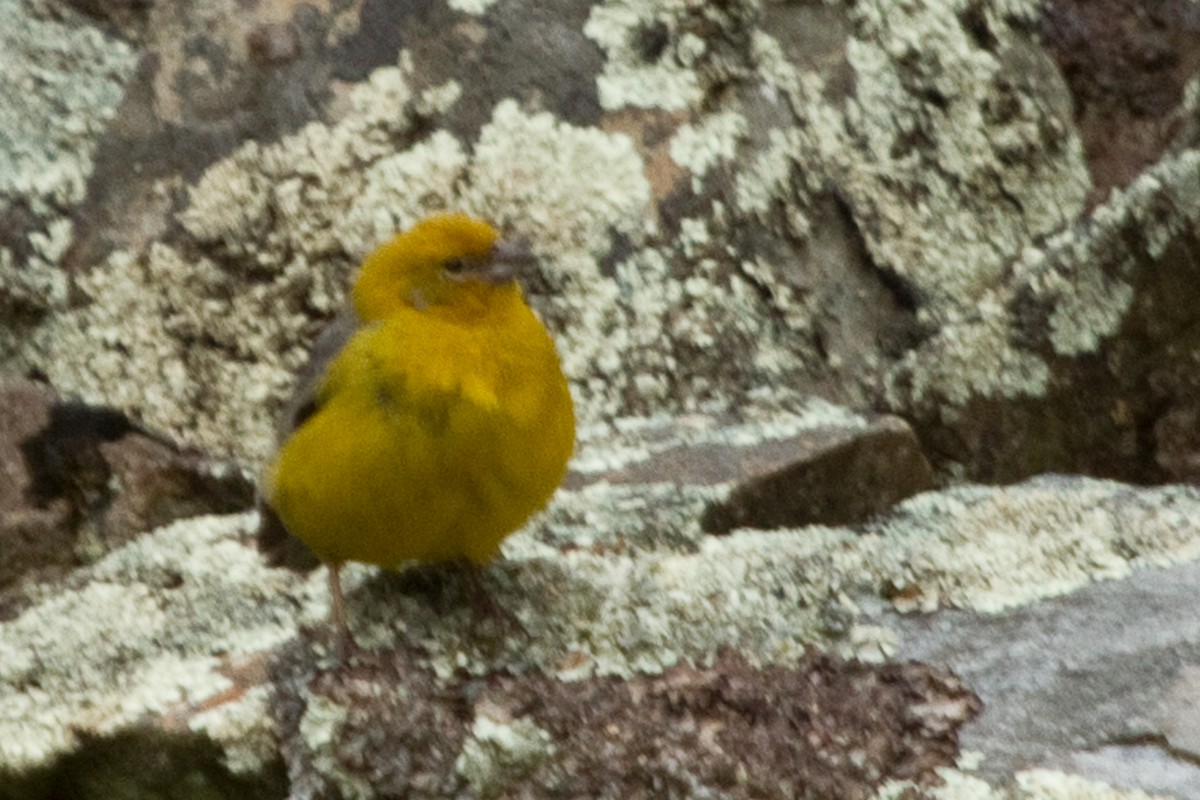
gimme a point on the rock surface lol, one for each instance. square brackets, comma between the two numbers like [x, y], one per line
[82, 480]
[1099, 682]
[833, 283]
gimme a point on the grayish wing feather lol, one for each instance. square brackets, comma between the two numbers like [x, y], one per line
[279, 547]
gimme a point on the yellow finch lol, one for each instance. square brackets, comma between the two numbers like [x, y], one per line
[433, 420]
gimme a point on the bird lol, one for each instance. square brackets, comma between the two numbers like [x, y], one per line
[432, 420]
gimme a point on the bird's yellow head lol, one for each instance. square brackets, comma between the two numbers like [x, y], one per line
[448, 263]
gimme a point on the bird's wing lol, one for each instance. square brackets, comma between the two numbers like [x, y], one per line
[305, 401]
[279, 547]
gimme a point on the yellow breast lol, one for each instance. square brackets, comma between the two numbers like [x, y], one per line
[434, 438]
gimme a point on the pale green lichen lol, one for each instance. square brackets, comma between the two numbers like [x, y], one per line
[283, 201]
[1173, 185]
[769, 595]
[792, 309]
[958, 234]
[63, 81]
[500, 751]
[1087, 280]
[127, 346]
[396, 191]
[715, 320]
[566, 187]
[765, 181]
[989, 549]
[780, 77]
[628, 517]
[474, 7]
[141, 633]
[630, 81]
[950, 213]
[1076, 326]
[1035, 784]
[323, 718]
[700, 146]
[590, 614]
[949, 210]
[971, 356]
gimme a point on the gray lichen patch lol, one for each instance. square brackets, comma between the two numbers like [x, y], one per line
[1032, 784]
[712, 140]
[944, 135]
[768, 596]
[970, 357]
[1088, 283]
[949, 163]
[267, 205]
[320, 730]
[627, 517]
[1047, 370]
[634, 77]
[696, 330]
[145, 632]
[62, 83]
[600, 611]
[502, 751]
[997, 165]
[147, 341]
[1083, 286]
[990, 549]
[568, 188]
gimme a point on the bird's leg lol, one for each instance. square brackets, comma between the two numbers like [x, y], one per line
[337, 613]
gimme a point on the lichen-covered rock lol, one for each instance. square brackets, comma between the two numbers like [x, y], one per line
[760, 226]
[185, 630]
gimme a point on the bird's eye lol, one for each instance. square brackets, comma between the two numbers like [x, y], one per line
[455, 266]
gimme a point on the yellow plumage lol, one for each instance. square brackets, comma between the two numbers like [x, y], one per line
[444, 421]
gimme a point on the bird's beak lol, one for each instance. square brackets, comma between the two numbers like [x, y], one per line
[507, 261]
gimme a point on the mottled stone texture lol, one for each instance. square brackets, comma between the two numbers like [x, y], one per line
[821, 728]
[1128, 66]
[80, 481]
